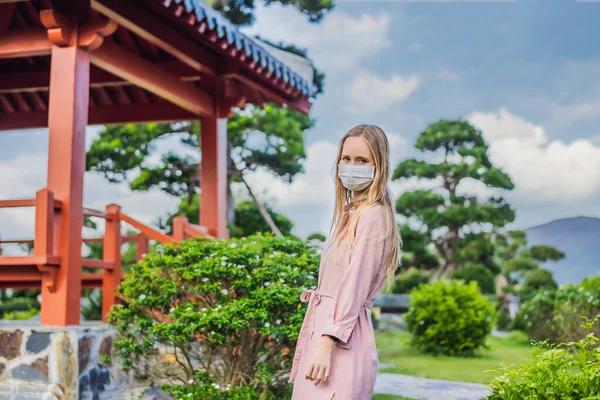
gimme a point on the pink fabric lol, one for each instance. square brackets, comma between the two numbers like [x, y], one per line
[347, 287]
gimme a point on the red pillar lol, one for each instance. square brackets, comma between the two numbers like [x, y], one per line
[112, 253]
[179, 223]
[67, 119]
[213, 176]
[142, 247]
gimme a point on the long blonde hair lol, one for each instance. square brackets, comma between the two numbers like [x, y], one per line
[377, 193]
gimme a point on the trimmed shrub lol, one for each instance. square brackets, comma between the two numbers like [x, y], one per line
[556, 314]
[567, 371]
[451, 318]
[485, 279]
[216, 319]
[408, 280]
[535, 281]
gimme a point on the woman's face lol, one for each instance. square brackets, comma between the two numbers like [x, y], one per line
[356, 152]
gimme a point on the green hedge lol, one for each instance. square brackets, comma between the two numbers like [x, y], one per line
[556, 314]
[451, 318]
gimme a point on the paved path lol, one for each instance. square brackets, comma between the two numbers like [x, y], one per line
[430, 389]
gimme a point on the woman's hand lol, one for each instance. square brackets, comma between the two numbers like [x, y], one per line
[320, 365]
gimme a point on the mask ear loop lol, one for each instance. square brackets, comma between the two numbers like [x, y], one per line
[334, 172]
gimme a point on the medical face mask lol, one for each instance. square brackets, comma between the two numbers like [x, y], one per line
[356, 177]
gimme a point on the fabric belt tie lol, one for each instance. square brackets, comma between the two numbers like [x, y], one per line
[313, 298]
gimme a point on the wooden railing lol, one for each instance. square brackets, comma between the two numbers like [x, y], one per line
[42, 268]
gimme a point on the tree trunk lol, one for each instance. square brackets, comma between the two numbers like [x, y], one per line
[263, 211]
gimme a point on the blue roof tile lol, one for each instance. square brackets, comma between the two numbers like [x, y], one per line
[253, 49]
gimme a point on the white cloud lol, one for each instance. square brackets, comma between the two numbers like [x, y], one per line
[542, 170]
[371, 93]
[314, 186]
[24, 175]
[396, 141]
[340, 41]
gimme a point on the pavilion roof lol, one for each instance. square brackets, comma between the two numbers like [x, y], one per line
[225, 30]
[202, 53]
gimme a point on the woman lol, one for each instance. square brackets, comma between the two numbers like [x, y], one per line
[336, 354]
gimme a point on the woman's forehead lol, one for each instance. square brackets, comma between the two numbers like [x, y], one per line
[356, 146]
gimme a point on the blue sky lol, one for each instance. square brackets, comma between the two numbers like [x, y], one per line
[526, 72]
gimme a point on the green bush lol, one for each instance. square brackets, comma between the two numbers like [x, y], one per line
[408, 280]
[225, 312]
[535, 281]
[478, 273]
[568, 371]
[21, 300]
[591, 283]
[450, 318]
[556, 314]
[21, 315]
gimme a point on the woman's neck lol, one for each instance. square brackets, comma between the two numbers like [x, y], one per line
[358, 198]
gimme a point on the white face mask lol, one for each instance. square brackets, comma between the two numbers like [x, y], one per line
[356, 177]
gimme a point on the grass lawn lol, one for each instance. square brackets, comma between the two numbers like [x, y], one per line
[388, 397]
[394, 347]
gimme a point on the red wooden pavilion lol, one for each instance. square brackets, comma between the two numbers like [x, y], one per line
[65, 64]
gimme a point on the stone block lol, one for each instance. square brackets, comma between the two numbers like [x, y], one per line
[83, 353]
[37, 342]
[67, 365]
[10, 344]
[106, 346]
[38, 371]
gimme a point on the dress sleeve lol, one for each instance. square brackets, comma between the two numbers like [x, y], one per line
[365, 263]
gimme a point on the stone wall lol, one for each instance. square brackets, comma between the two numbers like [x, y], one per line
[48, 363]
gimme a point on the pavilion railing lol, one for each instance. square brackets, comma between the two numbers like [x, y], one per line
[41, 268]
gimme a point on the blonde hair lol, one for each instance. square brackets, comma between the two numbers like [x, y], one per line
[377, 193]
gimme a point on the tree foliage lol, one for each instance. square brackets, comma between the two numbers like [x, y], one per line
[478, 273]
[241, 12]
[448, 220]
[247, 217]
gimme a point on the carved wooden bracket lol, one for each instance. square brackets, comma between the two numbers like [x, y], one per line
[59, 27]
[226, 106]
[92, 35]
[49, 276]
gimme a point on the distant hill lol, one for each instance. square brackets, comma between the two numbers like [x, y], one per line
[579, 239]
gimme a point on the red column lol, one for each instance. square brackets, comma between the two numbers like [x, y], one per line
[112, 253]
[142, 247]
[67, 119]
[213, 176]
[179, 223]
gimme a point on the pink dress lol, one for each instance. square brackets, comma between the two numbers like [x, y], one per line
[341, 307]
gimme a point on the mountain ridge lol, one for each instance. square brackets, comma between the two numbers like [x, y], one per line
[579, 238]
